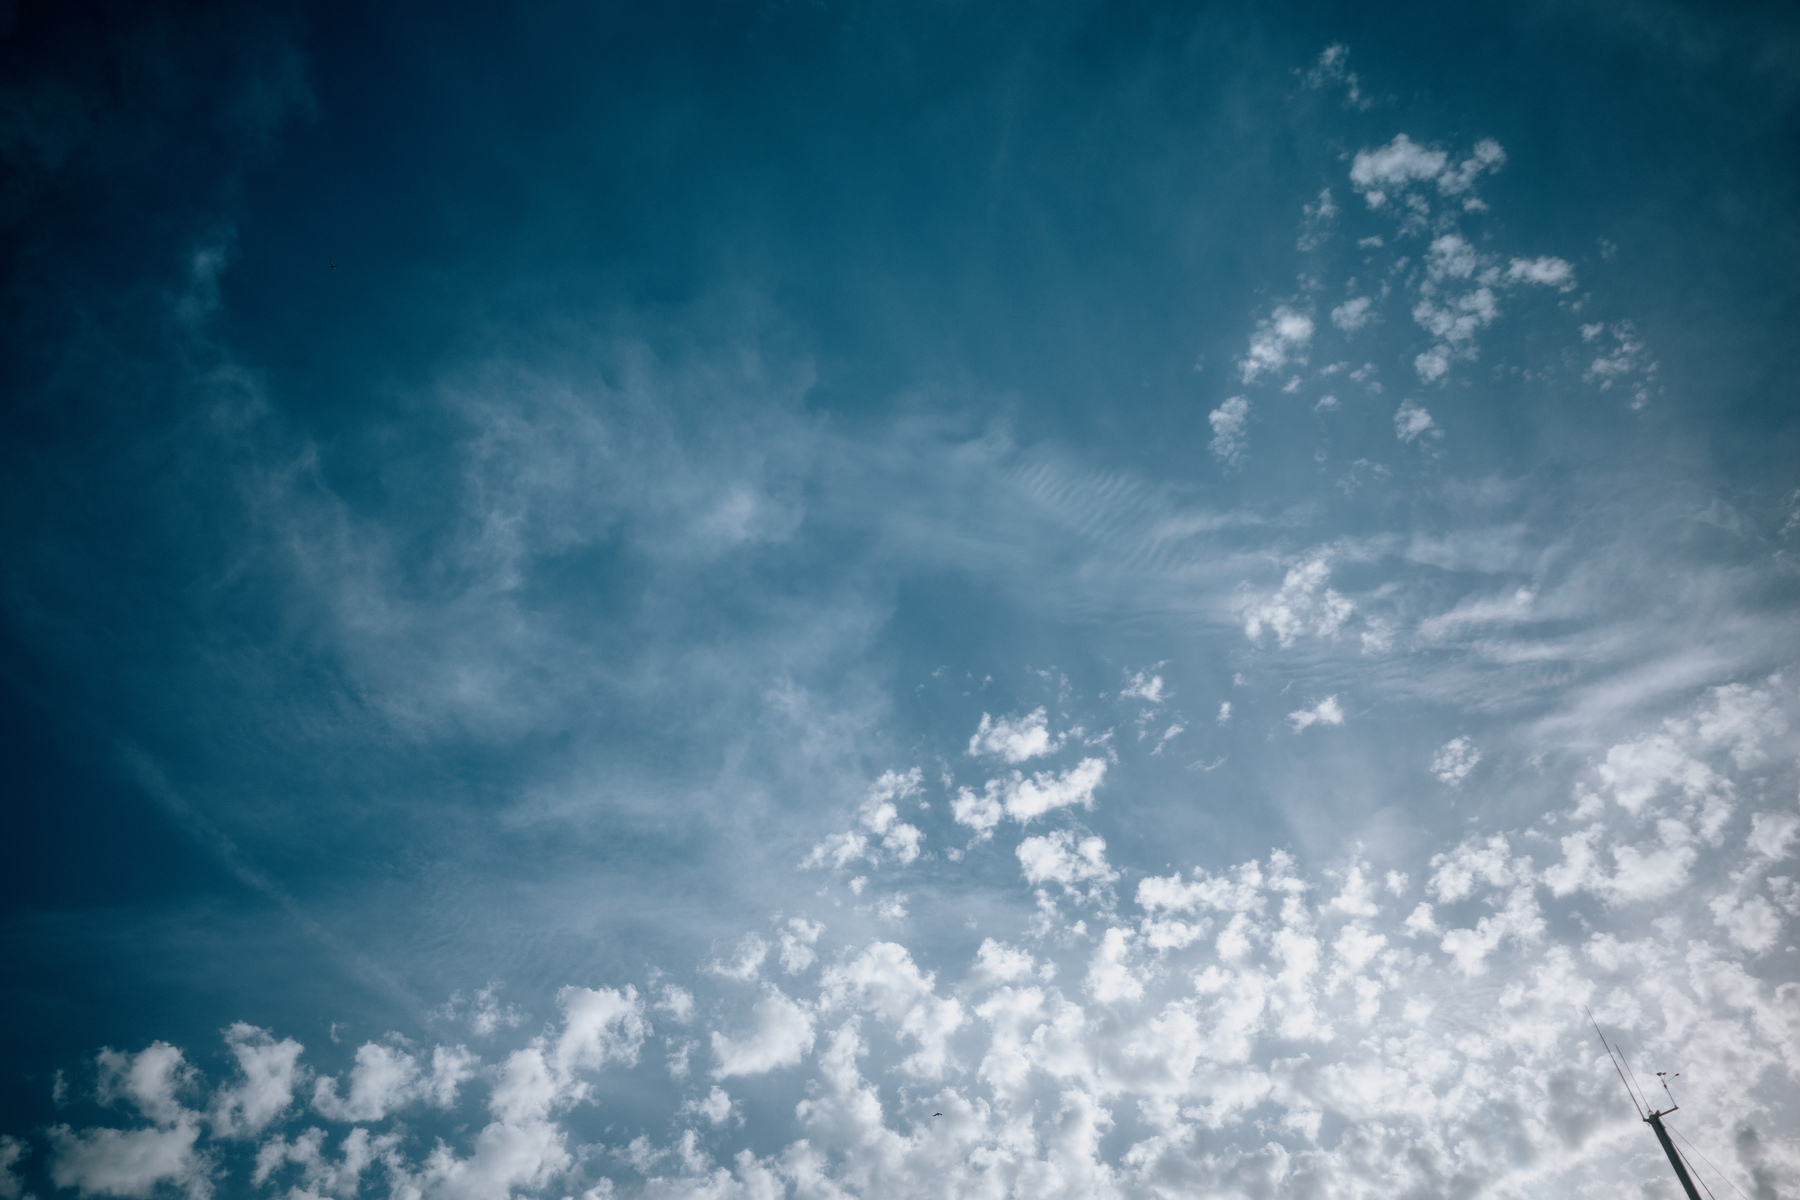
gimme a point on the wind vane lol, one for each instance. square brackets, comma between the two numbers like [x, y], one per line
[1652, 1118]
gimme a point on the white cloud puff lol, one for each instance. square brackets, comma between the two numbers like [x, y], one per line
[133, 1163]
[1303, 605]
[780, 1035]
[884, 980]
[1015, 739]
[1060, 858]
[1399, 163]
[1146, 686]
[12, 1152]
[1454, 760]
[1353, 314]
[1413, 421]
[1544, 271]
[1280, 340]
[1325, 712]
[1024, 798]
[269, 1070]
[1227, 422]
[879, 817]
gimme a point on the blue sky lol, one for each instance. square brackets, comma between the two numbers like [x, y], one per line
[635, 601]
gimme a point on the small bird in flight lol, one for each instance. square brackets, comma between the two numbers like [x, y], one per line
[937, 1114]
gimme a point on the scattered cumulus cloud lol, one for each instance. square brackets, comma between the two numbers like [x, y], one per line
[1025, 798]
[1226, 1009]
[1280, 340]
[797, 942]
[1015, 739]
[1325, 712]
[1353, 314]
[1402, 164]
[1412, 421]
[780, 1035]
[1624, 361]
[1059, 858]
[1145, 686]
[1332, 70]
[882, 835]
[1546, 271]
[1454, 760]
[1227, 422]
[1304, 605]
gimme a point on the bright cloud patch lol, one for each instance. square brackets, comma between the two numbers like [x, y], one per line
[1227, 422]
[1325, 712]
[780, 1034]
[1454, 760]
[1279, 341]
[1060, 858]
[1303, 605]
[1015, 739]
[1024, 798]
[883, 836]
[1412, 421]
[1353, 314]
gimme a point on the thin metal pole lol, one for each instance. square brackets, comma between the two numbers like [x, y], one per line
[1662, 1135]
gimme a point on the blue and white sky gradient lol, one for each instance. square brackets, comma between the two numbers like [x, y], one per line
[758, 600]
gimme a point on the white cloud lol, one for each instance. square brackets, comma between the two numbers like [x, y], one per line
[715, 1107]
[997, 963]
[1412, 421]
[1353, 314]
[1752, 923]
[386, 1079]
[1015, 739]
[1058, 858]
[1486, 157]
[678, 1002]
[885, 981]
[1110, 977]
[269, 1071]
[1454, 760]
[1398, 164]
[12, 1152]
[1145, 686]
[1302, 605]
[1627, 363]
[152, 1080]
[1319, 217]
[880, 818]
[1023, 798]
[1325, 712]
[1549, 272]
[130, 1163]
[320, 1175]
[1332, 68]
[1772, 835]
[1279, 340]
[1450, 257]
[1456, 321]
[797, 942]
[745, 963]
[484, 1013]
[1455, 874]
[781, 1034]
[1228, 429]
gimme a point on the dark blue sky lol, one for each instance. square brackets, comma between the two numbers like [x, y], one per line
[489, 496]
